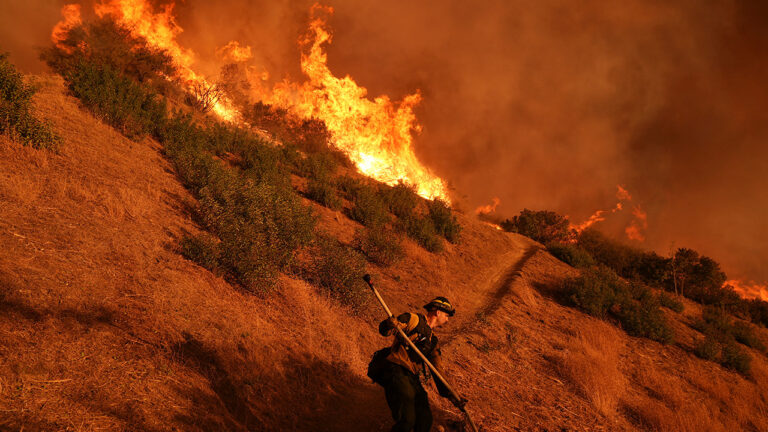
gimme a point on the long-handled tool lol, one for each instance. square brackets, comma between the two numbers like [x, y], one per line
[367, 279]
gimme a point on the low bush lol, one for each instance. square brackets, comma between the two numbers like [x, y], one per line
[369, 209]
[202, 249]
[644, 318]
[707, 348]
[349, 186]
[542, 226]
[444, 221]
[381, 246]
[401, 199]
[570, 254]
[322, 192]
[594, 291]
[745, 334]
[16, 116]
[121, 102]
[421, 229]
[338, 270]
[734, 357]
[670, 302]
[318, 166]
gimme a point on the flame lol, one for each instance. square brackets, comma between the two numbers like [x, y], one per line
[377, 135]
[488, 209]
[233, 52]
[749, 290]
[70, 18]
[636, 227]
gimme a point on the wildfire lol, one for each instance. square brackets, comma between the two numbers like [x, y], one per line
[377, 134]
[638, 225]
[750, 290]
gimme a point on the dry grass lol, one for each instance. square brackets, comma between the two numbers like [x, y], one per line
[591, 364]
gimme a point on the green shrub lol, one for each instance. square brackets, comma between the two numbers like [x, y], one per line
[745, 334]
[16, 116]
[716, 322]
[202, 249]
[368, 208]
[542, 226]
[381, 246]
[349, 186]
[570, 254]
[323, 193]
[444, 221]
[670, 302]
[122, 103]
[644, 318]
[339, 270]
[423, 231]
[595, 290]
[401, 199]
[707, 348]
[734, 357]
[260, 227]
[318, 166]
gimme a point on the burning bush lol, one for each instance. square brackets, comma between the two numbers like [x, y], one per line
[571, 254]
[203, 96]
[104, 42]
[542, 226]
[381, 246]
[16, 116]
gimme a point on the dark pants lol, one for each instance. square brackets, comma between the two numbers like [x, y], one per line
[408, 401]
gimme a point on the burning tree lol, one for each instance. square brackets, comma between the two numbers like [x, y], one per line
[203, 96]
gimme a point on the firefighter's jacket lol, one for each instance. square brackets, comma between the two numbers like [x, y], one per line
[416, 328]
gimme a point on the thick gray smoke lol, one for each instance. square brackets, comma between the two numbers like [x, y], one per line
[548, 104]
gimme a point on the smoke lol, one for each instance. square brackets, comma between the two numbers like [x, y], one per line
[545, 105]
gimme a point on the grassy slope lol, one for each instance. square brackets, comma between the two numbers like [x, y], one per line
[105, 326]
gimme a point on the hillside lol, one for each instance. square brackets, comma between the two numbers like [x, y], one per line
[105, 326]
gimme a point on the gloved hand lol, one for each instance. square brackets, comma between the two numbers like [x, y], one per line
[459, 403]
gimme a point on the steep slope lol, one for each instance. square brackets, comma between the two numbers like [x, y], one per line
[106, 327]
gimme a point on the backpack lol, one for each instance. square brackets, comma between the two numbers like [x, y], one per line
[379, 365]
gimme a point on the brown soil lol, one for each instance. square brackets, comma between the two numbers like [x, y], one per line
[104, 326]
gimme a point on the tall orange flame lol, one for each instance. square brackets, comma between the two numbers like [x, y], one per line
[377, 134]
[635, 229]
[70, 18]
[749, 290]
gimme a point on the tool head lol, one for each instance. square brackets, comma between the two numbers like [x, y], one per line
[367, 279]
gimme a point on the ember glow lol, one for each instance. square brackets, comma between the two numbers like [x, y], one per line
[749, 290]
[376, 134]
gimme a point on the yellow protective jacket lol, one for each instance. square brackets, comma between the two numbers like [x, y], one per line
[416, 328]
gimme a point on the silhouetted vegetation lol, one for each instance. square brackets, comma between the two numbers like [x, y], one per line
[600, 292]
[421, 229]
[369, 209]
[670, 302]
[16, 116]
[570, 254]
[542, 226]
[401, 199]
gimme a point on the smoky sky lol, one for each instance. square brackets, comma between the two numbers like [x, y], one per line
[545, 105]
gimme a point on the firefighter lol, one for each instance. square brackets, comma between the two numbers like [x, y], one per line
[401, 371]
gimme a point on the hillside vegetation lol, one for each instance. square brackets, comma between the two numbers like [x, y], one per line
[164, 271]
